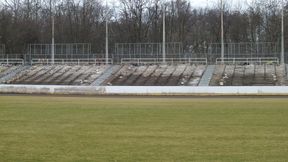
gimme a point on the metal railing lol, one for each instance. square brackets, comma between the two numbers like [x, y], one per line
[140, 61]
[11, 61]
[71, 61]
[259, 60]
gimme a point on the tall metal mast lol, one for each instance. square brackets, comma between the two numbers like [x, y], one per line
[282, 35]
[107, 37]
[164, 34]
[53, 32]
[222, 32]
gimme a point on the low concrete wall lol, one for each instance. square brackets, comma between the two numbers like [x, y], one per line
[43, 89]
[123, 90]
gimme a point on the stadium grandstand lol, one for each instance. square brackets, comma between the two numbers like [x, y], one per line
[244, 65]
[162, 63]
[143, 80]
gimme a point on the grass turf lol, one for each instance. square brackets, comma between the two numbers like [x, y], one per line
[142, 129]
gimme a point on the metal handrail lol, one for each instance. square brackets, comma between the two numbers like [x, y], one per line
[260, 60]
[160, 60]
[71, 61]
[8, 61]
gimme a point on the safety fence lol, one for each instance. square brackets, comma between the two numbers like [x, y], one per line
[160, 90]
[2, 50]
[149, 53]
[148, 50]
[61, 51]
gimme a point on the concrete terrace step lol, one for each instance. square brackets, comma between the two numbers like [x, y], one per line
[13, 73]
[106, 74]
[8, 71]
[207, 76]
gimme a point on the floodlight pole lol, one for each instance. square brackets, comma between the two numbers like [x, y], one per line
[107, 37]
[222, 33]
[282, 36]
[53, 33]
[164, 35]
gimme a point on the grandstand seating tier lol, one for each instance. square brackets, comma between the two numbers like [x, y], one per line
[146, 75]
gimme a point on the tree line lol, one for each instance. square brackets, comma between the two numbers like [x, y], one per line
[23, 22]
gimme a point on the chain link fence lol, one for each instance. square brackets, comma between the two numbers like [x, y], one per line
[147, 51]
[62, 51]
[247, 50]
[2, 51]
[150, 51]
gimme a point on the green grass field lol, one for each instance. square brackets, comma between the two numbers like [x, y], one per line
[142, 129]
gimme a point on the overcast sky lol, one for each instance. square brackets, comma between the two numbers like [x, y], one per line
[194, 3]
[203, 3]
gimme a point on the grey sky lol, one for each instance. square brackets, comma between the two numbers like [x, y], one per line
[203, 3]
[194, 3]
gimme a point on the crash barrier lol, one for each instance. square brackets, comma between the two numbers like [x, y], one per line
[124, 90]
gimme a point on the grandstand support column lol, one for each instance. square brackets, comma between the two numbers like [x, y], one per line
[164, 35]
[222, 33]
[282, 35]
[107, 37]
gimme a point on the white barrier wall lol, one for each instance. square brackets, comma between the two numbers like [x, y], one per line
[123, 90]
